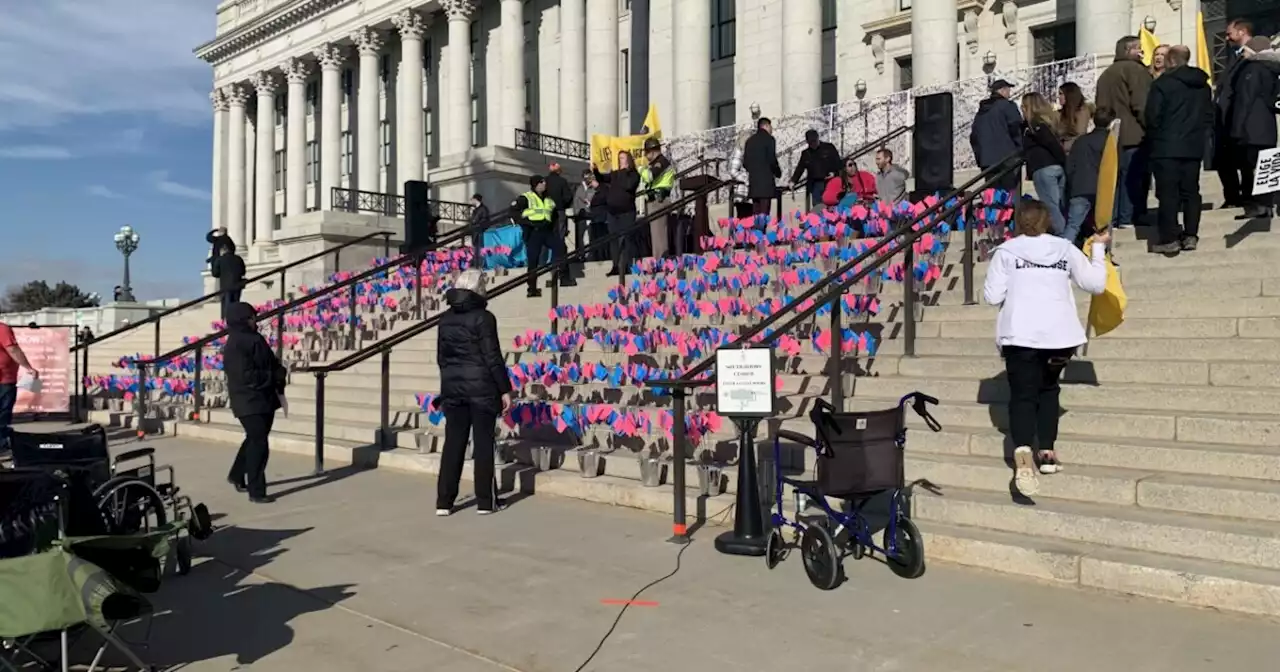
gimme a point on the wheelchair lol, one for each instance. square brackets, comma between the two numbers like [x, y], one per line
[127, 495]
[860, 456]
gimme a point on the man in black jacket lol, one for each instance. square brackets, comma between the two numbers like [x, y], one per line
[560, 191]
[228, 268]
[819, 162]
[535, 211]
[760, 160]
[479, 221]
[1179, 116]
[620, 186]
[1255, 89]
[474, 391]
[997, 132]
[217, 239]
[255, 385]
[1083, 163]
[1224, 160]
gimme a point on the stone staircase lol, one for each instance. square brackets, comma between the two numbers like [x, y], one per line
[1170, 433]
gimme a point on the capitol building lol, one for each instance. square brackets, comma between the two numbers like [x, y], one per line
[310, 95]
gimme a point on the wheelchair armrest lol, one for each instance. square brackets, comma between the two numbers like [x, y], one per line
[135, 454]
[796, 437]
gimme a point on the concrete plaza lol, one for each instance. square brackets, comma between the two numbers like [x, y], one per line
[353, 571]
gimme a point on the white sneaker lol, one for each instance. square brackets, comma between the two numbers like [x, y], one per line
[443, 512]
[1024, 475]
[498, 506]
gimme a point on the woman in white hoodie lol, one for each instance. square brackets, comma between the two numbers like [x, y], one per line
[1038, 329]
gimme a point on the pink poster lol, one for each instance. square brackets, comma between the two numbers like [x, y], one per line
[49, 351]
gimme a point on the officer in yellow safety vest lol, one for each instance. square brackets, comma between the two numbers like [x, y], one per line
[536, 222]
[658, 180]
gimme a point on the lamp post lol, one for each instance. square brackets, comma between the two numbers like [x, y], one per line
[1149, 23]
[127, 242]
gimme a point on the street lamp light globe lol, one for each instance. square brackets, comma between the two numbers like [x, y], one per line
[1149, 23]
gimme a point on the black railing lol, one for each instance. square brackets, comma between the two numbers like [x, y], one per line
[551, 144]
[450, 211]
[354, 200]
[384, 347]
[832, 288]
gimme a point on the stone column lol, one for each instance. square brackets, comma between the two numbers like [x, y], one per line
[266, 84]
[457, 135]
[693, 68]
[512, 104]
[573, 69]
[236, 195]
[802, 54]
[219, 100]
[295, 146]
[368, 112]
[934, 35]
[330, 57]
[602, 67]
[409, 137]
[1100, 23]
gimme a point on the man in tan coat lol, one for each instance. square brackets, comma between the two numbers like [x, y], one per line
[1122, 89]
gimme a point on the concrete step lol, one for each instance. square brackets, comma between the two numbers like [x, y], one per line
[1169, 309]
[1196, 349]
[1088, 370]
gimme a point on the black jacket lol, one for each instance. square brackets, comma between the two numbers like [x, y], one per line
[817, 163]
[480, 216]
[1253, 98]
[518, 207]
[1044, 149]
[620, 188]
[229, 270]
[255, 378]
[1179, 114]
[1083, 162]
[467, 350]
[997, 131]
[560, 192]
[760, 160]
[216, 242]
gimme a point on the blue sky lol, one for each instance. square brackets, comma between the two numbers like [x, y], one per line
[105, 120]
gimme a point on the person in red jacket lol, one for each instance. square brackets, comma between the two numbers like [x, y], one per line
[851, 181]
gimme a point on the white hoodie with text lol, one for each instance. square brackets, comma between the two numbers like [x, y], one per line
[1030, 279]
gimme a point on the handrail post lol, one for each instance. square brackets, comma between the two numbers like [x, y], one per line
[197, 395]
[555, 297]
[76, 377]
[84, 373]
[909, 300]
[968, 259]
[337, 260]
[319, 468]
[156, 344]
[835, 364]
[384, 431]
[417, 285]
[680, 533]
[280, 321]
[352, 308]
[140, 400]
[386, 245]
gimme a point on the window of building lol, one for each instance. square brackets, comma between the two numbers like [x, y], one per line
[624, 80]
[724, 114]
[723, 26]
[427, 62]
[384, 130]
[277, 222]
[348, 85]
[1053, 43]
[904, 5]
[528, 104]
[313, 162]
[282, 110]
[475, 120]
[829, 90]
[282, 176]
[428, 121]
[345, 154]
[903, 64]
[313, 97]
[624, 6]
[384, 72]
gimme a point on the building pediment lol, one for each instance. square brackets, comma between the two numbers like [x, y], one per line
[272, 21]
[899, 23]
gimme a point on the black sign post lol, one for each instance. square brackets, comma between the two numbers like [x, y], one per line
[746, 394]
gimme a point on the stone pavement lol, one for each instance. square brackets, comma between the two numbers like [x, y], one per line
[352, 571]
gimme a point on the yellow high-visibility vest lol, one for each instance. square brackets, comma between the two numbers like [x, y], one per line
[538, 209]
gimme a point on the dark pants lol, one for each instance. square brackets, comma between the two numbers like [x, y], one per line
[537, 240]
[229, 296]
[1178, 190]
[599, 229]
[1011, 182]
[815, 194]
[1247, 160]
[1033, 393]
[250, 465]
[1132, 185]
[624, 248]
[8, 397]
[476, 418]
[761, 206]
[1226, 163]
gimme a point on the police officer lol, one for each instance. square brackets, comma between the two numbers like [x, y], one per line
[536, 215]
[658, 180]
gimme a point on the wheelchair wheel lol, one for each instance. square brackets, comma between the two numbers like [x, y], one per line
[775, 548]
[129, 506]
[821, 560]
[909, 561]
[182, 553]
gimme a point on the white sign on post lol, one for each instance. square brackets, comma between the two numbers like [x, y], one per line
[745, 382]
[1266, 174]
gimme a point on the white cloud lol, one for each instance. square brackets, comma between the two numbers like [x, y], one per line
[35, 152]
[102, 191]
[63, 59]
[160, 179]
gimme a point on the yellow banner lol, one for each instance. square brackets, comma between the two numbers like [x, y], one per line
[605, 148]
[1149, 43]
[1202, 48]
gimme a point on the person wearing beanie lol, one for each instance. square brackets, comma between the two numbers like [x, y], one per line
[255, 389]
[535, 211]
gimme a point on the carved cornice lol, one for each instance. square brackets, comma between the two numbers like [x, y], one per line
[296, 70]
[330, 56]
[266, 83]
[219, 100]
[899, 23]
[263, 28]
[235, 95]
[411, 24]
[459, 10]
[368, 41]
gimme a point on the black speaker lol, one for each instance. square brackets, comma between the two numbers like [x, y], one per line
[932, 143]
[418, 233]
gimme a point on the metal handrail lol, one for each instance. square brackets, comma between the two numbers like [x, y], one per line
[394, 205]
[551, 144]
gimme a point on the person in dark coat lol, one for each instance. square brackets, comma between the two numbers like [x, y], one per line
[479, 222]
[561, 192]
[218, 239]
[620, 187]
[474, 391]
[1224, 159]
[997, 133]
[1083, 163]
[255, 385]
[1255, 89]
[228, 268]
[535, 212]
[1179, 117]
[1046, 161]
[760, 160]
[1123, 89]
[819, 162]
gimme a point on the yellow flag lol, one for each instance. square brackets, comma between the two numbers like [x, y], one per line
[605, 148]
[1106, 310]
[1202, 48]
[1149, 44]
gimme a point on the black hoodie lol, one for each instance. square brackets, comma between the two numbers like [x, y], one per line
[1179, 114]
[997, 131]
[467, 350]
[1255, 85]
[255, 378]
